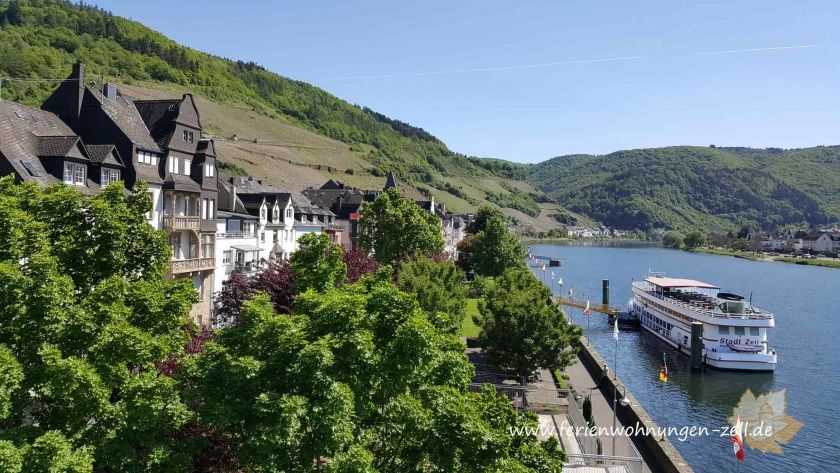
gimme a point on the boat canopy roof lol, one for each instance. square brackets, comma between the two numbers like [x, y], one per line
[678, 282]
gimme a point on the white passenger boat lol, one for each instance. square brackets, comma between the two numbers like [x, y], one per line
[734, 331]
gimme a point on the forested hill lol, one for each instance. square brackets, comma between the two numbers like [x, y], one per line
[43, 38]
[697, 187]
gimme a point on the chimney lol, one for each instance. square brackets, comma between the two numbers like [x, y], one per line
[78, 89]
[109, 91]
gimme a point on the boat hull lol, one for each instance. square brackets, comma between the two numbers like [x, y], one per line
[722, 360]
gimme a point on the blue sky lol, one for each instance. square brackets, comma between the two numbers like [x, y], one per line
[402, 58]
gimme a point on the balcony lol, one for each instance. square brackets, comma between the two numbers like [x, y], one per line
[181, 223]
[193, 264]
[234, 235]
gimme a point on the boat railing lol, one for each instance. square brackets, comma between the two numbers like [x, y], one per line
[754, 314]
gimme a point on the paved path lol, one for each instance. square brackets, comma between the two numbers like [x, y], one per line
[602, 411]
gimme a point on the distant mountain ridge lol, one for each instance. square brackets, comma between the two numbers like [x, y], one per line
[697, 187]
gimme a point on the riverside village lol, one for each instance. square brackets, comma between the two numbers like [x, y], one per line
[209, 267]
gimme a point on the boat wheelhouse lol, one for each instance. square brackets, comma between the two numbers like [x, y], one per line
[734, 331]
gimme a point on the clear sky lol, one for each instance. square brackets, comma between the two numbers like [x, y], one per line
[517, 80]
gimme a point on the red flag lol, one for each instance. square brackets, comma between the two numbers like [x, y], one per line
[737, 442]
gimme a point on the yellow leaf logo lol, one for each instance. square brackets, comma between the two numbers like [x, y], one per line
[766, 425]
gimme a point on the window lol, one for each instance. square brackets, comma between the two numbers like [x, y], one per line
[207, 246]
[211, 209]
[191, 137]
[723, 330]
[754, 331]
[146, 157]
[209, 170]
[262, 237]
[173, 165]
[175, 243]
[739, 330]
[289, 213]
[187, 168]
[263, 212]
[185, 135]
[74, 174]
[188, 136]
[226, 257]
[109, 176]
[276, 216]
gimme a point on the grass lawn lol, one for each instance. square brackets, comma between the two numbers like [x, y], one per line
[468, 328]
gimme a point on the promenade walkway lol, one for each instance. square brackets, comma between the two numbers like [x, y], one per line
[582, 382]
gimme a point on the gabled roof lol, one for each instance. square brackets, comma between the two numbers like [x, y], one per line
[206, 147]
[161, 116]
[124, 114]
[104, 154]
[26, 133]
[56, 146]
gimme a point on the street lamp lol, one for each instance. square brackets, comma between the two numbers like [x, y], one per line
[624, 402]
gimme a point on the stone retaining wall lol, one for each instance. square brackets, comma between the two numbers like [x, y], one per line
[660, 455]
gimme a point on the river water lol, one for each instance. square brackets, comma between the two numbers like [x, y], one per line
[806, 303]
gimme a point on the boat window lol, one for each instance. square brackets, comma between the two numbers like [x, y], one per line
[723, 330]
[739, 330]
[754, 331]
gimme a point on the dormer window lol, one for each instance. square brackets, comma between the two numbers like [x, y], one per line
[209, 170]
[110, 175]
[289, 213]
[146, 157]
[263, 212]
[276, 216]
[74, 174]
[188, 136]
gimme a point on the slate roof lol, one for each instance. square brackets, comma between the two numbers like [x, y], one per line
[224, 200]
[180, 182]
[104, 154]
[55, 145]
[124, 114]
[159, 116]
[25, 133]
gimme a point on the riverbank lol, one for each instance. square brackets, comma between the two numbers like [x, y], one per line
[750, 255]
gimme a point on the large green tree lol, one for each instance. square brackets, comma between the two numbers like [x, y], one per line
[393, 227]
[358, 378]
[317, 264]
[440, 288]
[522, 329]
[85, 321]
[495, 249]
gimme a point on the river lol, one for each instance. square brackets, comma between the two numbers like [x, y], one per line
[806, 303]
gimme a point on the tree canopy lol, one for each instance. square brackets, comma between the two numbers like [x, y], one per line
[493, 249]
[522, 329]
[358, 376]
[393, 228]
[440, 288]
[317, 264]
[85, 318]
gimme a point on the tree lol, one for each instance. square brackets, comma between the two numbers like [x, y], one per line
[673, 239]
[317, 264]
[484, 214]
[357, 378]
[521, 328]
[694, 239]
[79, 385]
[359, 263]
[440, 288]
[276, 280]
[495, 249]
[393, 227]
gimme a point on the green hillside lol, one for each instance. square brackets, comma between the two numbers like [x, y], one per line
[696, 187]
[285, 130]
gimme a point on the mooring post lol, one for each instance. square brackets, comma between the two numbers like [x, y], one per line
[696, 345]
[606, 292]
